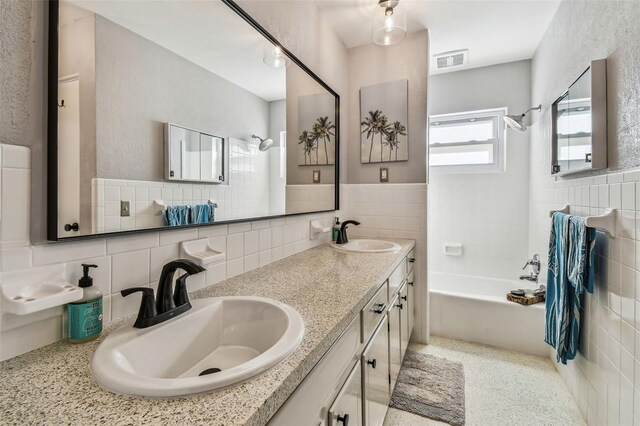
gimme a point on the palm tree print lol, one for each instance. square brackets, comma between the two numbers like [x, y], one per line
[323, 129]
[374, 124]
[306, 140]
[392, 137]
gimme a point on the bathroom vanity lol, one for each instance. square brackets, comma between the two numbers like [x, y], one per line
[353, 382]
[355, 336]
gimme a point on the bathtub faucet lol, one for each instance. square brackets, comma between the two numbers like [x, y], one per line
[535, 263]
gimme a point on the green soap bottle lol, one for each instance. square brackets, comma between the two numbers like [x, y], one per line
[84, 320]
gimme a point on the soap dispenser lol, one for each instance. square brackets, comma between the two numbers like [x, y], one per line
[335, 229]
[85, 315]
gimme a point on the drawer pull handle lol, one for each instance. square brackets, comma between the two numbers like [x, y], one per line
[403, 298]
[399, 305]
[380, 308]
[372, 362]
[412, 259]
[344, 419]
[410, 283]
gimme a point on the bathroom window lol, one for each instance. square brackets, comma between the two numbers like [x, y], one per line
[467, 142]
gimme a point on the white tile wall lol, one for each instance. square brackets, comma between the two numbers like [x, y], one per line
[393, 211]
[488, 214]
[15, 181]
[248, 175]
[124, 261]
[605, 377]
[301, 198]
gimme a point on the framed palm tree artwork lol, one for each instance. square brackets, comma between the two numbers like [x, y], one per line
[383, 122]
[316, 130]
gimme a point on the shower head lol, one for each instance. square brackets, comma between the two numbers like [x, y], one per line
[265, 144]
[516, 122]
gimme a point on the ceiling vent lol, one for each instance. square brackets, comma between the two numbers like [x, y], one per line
[452, 59]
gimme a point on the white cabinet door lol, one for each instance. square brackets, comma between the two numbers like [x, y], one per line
[403, 303]
[411, 302]
[375, 372]
[395, 347]
[346, 410]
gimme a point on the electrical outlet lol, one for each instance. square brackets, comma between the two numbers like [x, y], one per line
[384, 174]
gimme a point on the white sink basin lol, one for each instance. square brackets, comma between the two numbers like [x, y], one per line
[242, 336]
[367, 246]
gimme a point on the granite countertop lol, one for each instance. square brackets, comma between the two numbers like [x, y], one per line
[53, 385]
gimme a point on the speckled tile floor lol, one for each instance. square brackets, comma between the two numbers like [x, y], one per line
[501, 388]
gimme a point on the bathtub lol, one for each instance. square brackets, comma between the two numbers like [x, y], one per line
[475, 309]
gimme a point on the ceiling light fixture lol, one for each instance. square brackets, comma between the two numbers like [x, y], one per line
[516, 122]
[389, 28]
[275, 57]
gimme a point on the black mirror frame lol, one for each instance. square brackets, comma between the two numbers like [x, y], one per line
[52, 131]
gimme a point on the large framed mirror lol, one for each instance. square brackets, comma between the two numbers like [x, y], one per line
[179, 113]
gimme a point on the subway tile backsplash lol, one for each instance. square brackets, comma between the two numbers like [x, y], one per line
[124, 261]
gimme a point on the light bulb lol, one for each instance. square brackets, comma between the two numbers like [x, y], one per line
[388, 24]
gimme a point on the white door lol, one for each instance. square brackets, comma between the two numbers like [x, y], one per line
[395, 346]
[69, 155]
[375, 373]
[346, 409]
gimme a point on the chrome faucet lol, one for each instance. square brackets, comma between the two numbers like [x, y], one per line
[535, 263]
[168, 303]
[342, 234]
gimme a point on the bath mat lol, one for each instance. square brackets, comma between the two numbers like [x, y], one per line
[431, 387]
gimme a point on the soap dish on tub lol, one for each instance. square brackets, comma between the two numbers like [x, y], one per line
[26, 292]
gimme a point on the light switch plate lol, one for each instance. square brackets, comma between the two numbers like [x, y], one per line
[316, 176]
[125, 208]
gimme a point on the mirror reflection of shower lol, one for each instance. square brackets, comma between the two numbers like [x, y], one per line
[265, 144]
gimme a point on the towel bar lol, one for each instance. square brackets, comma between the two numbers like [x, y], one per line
[605, 222]
[159, 206]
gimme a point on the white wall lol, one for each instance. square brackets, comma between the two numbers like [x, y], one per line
[605, 377]
[486, 212]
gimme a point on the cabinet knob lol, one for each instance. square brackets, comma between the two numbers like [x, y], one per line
[344, 419]
[372, 362]
[72, 227]
[380, 308]
[403, 298]
[410, 283]
[412, 259]
[399, 305]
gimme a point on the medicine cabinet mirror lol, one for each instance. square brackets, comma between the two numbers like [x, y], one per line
[164, 105]
[193, 156]
[579, 124]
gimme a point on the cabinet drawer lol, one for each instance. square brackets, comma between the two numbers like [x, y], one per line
[411, 259]
[373, 312]
[309, 404]
[396, 278]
